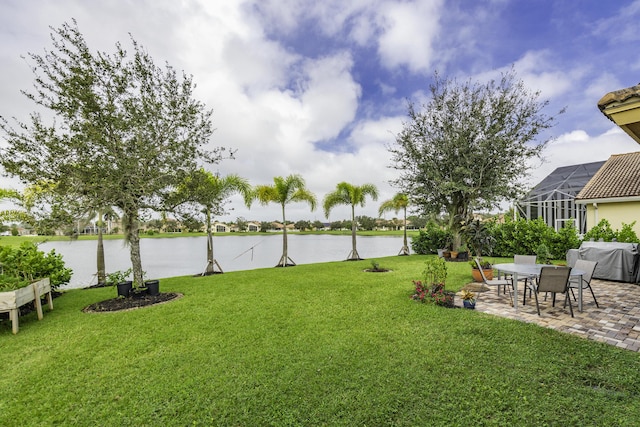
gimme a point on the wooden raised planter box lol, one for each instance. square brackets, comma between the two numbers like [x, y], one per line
[11, 301]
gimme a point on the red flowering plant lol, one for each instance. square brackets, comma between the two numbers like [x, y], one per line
[421, 292]
[433, 288]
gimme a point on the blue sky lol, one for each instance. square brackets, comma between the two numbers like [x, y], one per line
[321, 88]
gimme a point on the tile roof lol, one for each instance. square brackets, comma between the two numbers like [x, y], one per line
[618, 177]
[619, 96]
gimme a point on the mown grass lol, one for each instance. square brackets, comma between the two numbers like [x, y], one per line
[321, 344]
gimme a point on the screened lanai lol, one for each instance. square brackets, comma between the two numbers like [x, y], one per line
[553, 198]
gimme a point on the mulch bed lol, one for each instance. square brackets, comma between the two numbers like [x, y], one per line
[122, 304]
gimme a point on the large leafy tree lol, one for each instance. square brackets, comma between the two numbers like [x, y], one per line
[284, 191]
[351, 195]
[208, 193]
[125, 132]
[39, 207]
[469, 146]
[398, 202]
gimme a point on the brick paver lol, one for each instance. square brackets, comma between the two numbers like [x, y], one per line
[615, 322]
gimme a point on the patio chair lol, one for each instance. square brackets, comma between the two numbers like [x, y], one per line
[575, 282]
[554, 280]
[495, 282]
[525, 259]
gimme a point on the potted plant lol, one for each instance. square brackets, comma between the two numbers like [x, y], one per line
[468, 299]
[153, 287]
[463, 253]
[119, 279]
[479, 237]
[487, 269]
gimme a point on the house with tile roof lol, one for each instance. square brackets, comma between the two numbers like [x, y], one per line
[613, 193]
[623, 108]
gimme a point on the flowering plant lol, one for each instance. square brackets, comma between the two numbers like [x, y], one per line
[421, 291]
[441, 297]
[435, 294]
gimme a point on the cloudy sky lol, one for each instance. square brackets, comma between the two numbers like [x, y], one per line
[320, 88]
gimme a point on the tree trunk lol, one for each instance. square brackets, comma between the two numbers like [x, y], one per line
[354, 252]
[211, 261]
[133, 238]
[284, 259]
[102, 275]
[405, 246]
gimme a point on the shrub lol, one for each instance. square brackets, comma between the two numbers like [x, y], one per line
[479, 237]
[627, 235]
[566, 238]
[11, 283]
[430, 239]
[435, 271]
[601, 231]
[542, 254]
[26, 262]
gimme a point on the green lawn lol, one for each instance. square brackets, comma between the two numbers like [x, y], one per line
[323, 344]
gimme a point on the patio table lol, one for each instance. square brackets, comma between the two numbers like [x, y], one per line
[529, 270]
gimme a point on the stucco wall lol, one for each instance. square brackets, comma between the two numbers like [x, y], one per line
[616, 214]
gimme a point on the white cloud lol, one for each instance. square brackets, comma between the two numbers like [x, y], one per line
[408, 33]
[331, 98]
[539, 72]
[277, 103]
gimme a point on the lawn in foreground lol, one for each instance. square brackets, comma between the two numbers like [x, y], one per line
[323, 344]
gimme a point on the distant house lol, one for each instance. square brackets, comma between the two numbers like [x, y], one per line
[277, 226]
[253, 226]
[220, 227]
[614, 192]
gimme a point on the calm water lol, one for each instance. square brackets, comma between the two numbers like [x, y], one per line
[182, 256]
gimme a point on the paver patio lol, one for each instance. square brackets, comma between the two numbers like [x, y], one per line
[615, 322]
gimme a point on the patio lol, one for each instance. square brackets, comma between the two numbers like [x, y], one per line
[615, 322]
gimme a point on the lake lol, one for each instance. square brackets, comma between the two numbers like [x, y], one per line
[184, 256]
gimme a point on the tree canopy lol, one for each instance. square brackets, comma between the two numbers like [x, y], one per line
[125, 131]
[469, 146]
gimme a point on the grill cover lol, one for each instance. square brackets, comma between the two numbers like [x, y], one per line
[616, 261]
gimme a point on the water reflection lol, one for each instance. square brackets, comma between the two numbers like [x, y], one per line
[182, 256]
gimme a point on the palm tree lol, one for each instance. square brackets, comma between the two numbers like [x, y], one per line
[104, 213]
[285, 190]
[399, 201]
[347, 194]
[209, 192]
